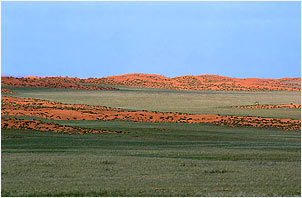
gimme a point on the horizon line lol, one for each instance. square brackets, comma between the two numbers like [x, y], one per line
[41, 76]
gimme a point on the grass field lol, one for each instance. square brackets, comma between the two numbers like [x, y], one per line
[197, 102]
[155, 159]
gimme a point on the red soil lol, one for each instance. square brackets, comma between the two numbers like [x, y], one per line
[202, 82]
[267, 106]
[15, 123]
[52, 110]
[6, 91]
[49, 82]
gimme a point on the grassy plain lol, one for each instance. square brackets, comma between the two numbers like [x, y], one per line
[197, 102]
[155, 159]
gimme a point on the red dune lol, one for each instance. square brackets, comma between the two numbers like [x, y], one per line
[57, 111]
[15, 123]
[189, 82]
[49, 82]
[201, 82]
[32, 77]
[6, 91]
[267, 106]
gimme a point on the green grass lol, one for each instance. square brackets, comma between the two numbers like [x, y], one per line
[155, 159]
[197, 102]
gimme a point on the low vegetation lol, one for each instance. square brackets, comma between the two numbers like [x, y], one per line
[154, 159]
[74, 137]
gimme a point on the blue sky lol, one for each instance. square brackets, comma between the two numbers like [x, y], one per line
[97, 39]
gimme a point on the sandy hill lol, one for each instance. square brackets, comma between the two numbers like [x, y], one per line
[49, 82]
[189, 82]
[201, 82]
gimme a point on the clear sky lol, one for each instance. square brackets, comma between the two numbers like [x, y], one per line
[98, 39]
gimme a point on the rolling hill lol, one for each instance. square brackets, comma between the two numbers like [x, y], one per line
[189, 82]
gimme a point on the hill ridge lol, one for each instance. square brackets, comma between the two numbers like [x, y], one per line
[140, 80]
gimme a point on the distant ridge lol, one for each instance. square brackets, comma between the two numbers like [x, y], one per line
[188, 82]
[201, 82]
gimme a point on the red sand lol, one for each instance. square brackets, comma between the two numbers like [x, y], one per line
[49, 82]
[202, 82]
[15, 123]
[6, 91]
[52, 110]
[267, 106]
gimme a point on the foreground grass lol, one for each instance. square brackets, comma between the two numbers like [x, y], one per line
[196, 102]
[159, 159]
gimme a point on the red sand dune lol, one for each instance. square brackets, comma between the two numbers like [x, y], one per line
[6, 91]
[49, 82]
[57, 111]
[202, 82]
[15, 123]
[267, 106]
[32, 77]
